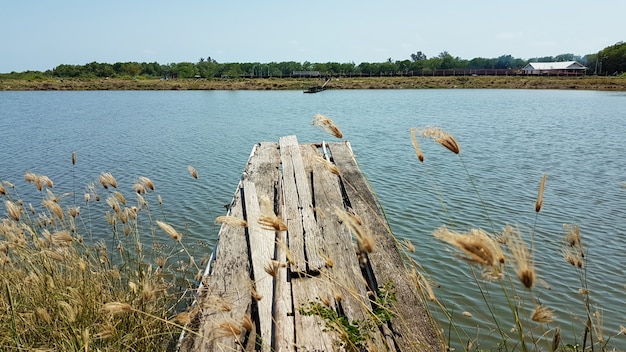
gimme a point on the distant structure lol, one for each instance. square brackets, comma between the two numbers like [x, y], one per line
[306, 74]
[554, 68]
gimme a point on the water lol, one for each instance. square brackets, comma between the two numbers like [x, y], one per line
[508, 139]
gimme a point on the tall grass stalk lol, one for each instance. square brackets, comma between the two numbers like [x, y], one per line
[479, 249]
[58, 286]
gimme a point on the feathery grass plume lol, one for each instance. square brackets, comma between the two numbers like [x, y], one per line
[192, 171]
[13, 210]
[73, 158]
[423, 283]
[106, 179]
[54, 208]
[168, 229]
[87, 197]
[73, 211]
[116, 308]
[139, 188]
[231, 221]
[247, 323]
[365, 239]
[572, 248]
[539, 202]
[47, 181]
[62, 238]
[272, 267]
[146, 182]
[522, 258]
[183, 318]
[442, 137]
[326, 164]
[599, 326]
[327, 125]
[269, 220]
[416, 146]
[38, 180]
[114, 203]
[3, 190]
[477, 247]
[120, 197]
[229, 329]
[409, 245]
[542, 315]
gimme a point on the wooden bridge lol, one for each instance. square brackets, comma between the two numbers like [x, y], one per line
[333, 279]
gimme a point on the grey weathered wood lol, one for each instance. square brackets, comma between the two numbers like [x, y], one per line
[413, 327]
[305, 195]
[262, 243]
[225, 293]
[284, 329]
[337, 244]
[299, 209]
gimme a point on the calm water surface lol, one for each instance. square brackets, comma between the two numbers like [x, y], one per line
[508, 139]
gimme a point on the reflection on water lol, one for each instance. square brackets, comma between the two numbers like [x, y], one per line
[508, 139]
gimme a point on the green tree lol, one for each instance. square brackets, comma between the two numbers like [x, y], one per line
[418, 56]
[612, 59]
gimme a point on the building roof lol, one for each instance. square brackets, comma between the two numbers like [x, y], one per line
[562, 65]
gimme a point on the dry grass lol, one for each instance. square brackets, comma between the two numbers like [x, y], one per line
[417, 82]
[61, 294]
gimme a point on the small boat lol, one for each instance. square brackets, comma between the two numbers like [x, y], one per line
[317, 89]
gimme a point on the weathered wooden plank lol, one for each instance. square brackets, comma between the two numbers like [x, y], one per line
[299, 209]
[224, 297]
[284, 329]
[311, 334]
[345, 277]
[413, 327]
[262, 242]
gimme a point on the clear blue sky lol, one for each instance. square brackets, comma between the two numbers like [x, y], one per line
[41, 34]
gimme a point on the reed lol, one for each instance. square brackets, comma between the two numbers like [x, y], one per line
[62, 293]
[498, 254]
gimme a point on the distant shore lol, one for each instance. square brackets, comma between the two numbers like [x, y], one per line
[416, 82]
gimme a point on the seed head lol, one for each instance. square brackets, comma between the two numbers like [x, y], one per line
[168, 229]
[62, 238]
[365, 239]
[327, 164]
[522, 259]
[73, 158]
[115, 308]
[13, 210]
[542, 315]
[54, 208]
[192, 171]
[539, 202]
[416, 146]
[146, 182]
[442, 137]
[327, 125]
[231, 221]
[106, 179]
[227, 329]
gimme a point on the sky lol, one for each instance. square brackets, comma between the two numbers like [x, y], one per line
[41, 34]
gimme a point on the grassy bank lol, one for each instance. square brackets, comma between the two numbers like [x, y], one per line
[506, 82]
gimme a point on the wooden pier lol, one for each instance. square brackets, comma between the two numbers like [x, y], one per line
[333, 280]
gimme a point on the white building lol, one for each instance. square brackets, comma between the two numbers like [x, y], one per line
[554, 68]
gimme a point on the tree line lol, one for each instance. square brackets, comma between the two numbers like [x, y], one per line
[610, 60]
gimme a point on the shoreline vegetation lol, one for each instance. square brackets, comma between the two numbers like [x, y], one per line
[605, 83]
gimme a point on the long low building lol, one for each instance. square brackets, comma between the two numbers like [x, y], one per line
[554, 68]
